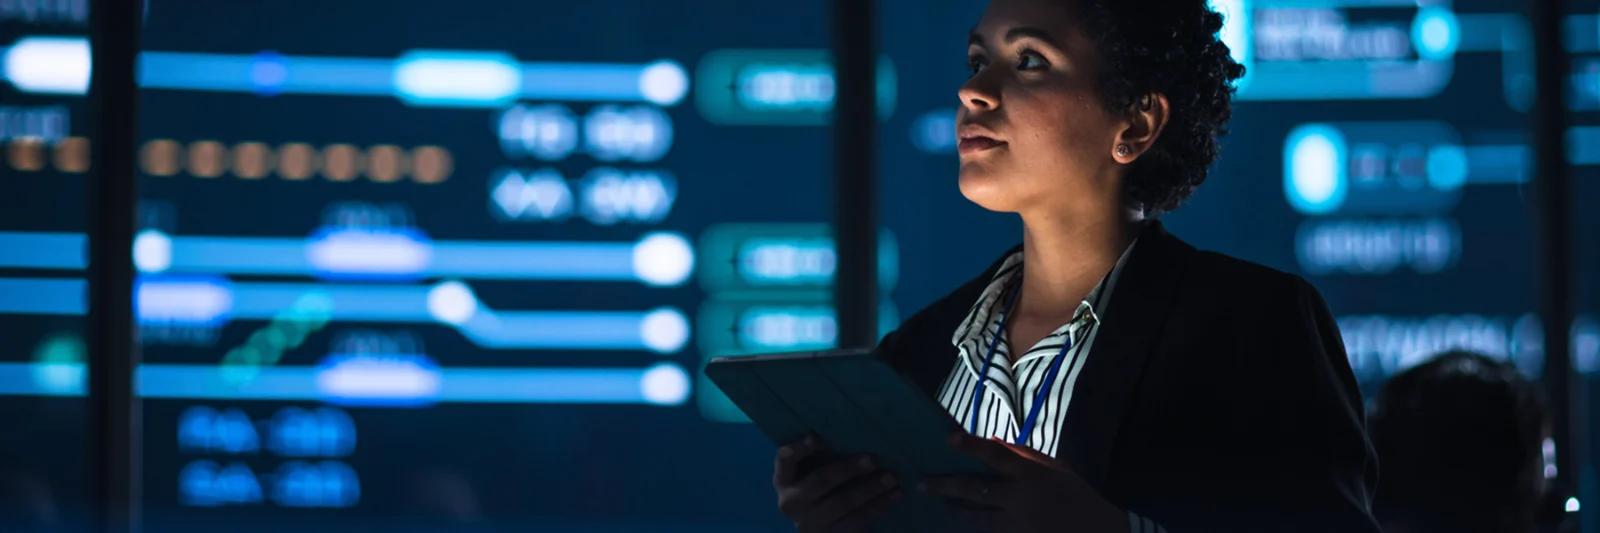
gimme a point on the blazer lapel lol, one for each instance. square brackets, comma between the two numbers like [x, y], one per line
[923, 352]
[1140, 303]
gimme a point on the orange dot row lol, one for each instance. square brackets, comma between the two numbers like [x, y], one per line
[32, 154]
[383, 163]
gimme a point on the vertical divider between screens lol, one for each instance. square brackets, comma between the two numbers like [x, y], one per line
[855, 207]
[113, 421]
[1554, 187]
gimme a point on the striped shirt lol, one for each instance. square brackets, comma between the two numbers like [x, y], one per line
[1010, 390]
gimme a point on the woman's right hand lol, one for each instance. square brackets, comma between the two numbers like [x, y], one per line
[845, 495]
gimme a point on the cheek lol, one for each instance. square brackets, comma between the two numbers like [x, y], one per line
[1064, 132]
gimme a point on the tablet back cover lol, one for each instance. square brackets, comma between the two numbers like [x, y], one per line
[860, 405]
[766, 411]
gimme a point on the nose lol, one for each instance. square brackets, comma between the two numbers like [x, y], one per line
[979, 94]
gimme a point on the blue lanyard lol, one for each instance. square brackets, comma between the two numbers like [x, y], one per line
[1044, 388]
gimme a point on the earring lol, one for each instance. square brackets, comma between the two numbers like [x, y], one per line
[1123, 150]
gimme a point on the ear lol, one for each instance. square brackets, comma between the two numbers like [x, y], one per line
[1145, 120]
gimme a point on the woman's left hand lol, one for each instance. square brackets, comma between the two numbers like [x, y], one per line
[1038, 493]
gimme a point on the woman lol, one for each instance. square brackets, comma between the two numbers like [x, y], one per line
[1133, 382]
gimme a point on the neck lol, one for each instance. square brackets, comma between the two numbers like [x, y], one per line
[1064, 257]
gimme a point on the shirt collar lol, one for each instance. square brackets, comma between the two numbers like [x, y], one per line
[989, 303]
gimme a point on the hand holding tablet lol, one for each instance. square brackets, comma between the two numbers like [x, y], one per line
[856, 404]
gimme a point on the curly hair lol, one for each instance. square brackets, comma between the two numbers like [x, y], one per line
[1169, 47]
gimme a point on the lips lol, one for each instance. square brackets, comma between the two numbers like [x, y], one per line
[974, 138]
[972, 145]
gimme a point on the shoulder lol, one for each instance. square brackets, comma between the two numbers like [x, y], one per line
[1226, 271]
[1258, 321]
[1221, 281]
[1233, 306]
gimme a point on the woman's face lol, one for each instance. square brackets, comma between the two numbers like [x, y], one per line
[1033, 132]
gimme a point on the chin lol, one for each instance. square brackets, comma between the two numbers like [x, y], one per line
[987, 189]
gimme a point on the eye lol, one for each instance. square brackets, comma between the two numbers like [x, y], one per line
[975, 63]
[1030, 60]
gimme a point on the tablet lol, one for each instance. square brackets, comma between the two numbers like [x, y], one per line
[857, 403]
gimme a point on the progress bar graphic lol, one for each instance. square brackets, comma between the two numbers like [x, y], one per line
[430, 78]
[657, 259]
[372, 384]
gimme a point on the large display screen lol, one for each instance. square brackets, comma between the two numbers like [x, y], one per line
[459, 265]
[45, 131]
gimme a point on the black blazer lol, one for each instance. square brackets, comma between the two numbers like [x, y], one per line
[1216, 396]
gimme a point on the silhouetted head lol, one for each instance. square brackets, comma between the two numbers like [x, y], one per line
[1461, 447]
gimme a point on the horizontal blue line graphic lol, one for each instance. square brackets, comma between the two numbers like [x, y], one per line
[241, 255]
[593, 81]
[662, 384]
[399, 256]
[544, 386]
[337, 76]
[350, 303]
[545, 260]
[201, 302]
[544, 329]
[35, 296]
[205, 71]
[55, 251]
[419, 77]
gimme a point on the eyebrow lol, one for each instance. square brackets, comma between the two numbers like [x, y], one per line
[975, 38]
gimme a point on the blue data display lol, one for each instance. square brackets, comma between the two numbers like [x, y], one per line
[466, 261]
[451, 248]
[208, 484]
[289, 432]
[296, 484]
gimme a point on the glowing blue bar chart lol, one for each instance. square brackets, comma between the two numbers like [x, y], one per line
[660, 384]
[448, 78]
[211, 301]
[658, 259]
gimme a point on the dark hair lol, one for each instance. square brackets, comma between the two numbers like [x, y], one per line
[1169, 47]
[1460, 444]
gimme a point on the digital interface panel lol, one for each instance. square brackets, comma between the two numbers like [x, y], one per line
[1584, 144]
[45, 130]
[463, 263]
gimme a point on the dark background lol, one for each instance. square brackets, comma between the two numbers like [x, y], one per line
[1425, 272]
